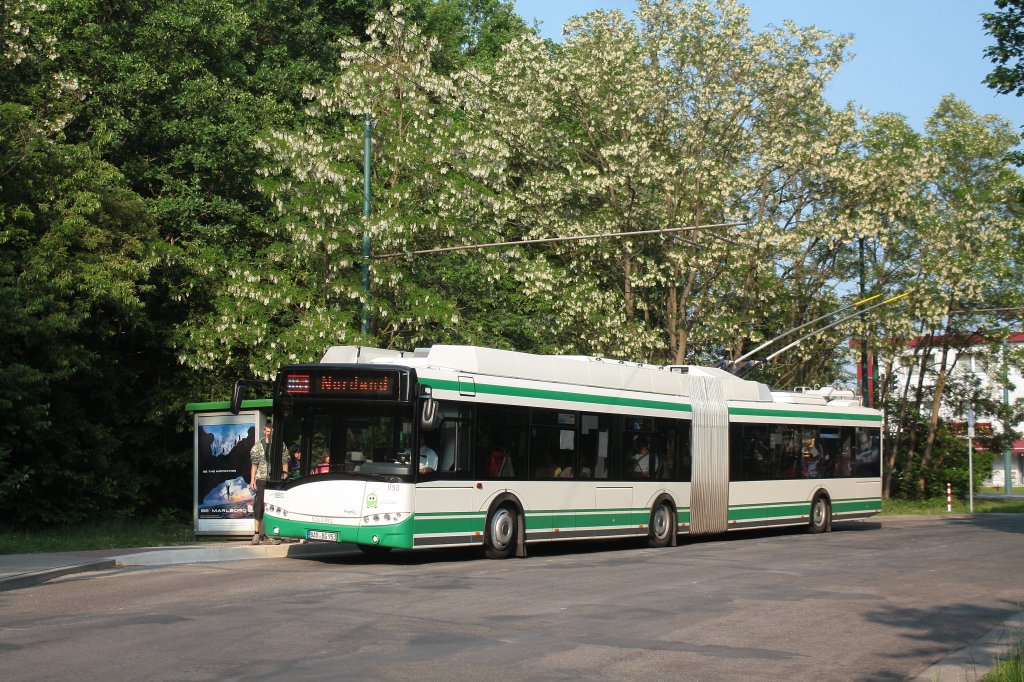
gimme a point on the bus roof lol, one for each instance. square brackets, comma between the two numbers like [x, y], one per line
[581, 370]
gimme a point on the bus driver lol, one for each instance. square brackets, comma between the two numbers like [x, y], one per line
[428, 458]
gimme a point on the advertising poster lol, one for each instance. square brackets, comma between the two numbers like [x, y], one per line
[223, 499]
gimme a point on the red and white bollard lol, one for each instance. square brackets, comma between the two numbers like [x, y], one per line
[949, 497]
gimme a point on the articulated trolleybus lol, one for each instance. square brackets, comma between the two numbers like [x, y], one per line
[459, 446]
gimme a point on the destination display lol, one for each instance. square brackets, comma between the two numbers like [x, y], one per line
[344, 384]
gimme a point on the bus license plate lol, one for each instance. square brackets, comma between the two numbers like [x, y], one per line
[321, 535]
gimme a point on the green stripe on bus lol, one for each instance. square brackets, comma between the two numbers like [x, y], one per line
[869, 504]
[225, 405]
[596, 519]
[769, 512]
[761, 412]
[541, 520]
[517, 392]
[587, 519]
[467, 523]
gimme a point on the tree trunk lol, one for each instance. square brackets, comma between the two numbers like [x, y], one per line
[933, 429]
[901, 422]
[926, 353]
[933, 421]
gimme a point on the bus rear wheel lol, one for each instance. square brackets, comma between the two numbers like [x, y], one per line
[821, 515]
[500, 539]
[662, 525]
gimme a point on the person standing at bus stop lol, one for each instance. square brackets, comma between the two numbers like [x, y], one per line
[259, 457]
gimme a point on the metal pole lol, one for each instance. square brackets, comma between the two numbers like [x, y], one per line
[364, 312]
[970, 456]
[1007, 461]
[865, 387]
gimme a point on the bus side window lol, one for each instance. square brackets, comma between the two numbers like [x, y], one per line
[552, 444]
[867, 455]
[594, 446]
[685, 466]
[665, 450]
[453, 441]
[500, 445]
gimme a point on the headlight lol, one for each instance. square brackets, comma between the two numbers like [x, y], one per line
[386, 517]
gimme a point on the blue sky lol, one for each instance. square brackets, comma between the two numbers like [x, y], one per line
[908, 53]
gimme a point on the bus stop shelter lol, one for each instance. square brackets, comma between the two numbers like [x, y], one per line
[223, 503]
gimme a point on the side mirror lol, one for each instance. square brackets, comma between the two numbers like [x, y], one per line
[287, 404]
[238, 392]
[237, 396]
[430, 418]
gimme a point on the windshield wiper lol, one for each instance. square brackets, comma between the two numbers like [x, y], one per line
[377, 477]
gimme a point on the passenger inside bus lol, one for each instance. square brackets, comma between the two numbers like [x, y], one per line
[641, 459]
[295, 462]
[565, 464]
[547, 469]
[428, 458]
[500, 465]
[325, 463]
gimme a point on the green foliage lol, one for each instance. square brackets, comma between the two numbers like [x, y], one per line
[1006, 26]
[181, 206]
[949, 464]
[75, 256]
[128, 191]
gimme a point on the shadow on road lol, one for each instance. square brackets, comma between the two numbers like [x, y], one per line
[938, 630]
[1006, 523]
[569, 547]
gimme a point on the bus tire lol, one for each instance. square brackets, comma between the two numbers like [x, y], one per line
[663, 525]
[502, 532]
[821, 515]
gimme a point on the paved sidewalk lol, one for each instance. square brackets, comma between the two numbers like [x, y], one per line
[25, 570]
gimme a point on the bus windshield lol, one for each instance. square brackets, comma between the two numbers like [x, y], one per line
[362, 441]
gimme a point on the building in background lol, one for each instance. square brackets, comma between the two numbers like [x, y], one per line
[974, 363]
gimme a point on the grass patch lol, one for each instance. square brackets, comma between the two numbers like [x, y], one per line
[1017, 490]
[133, 533]
[1008, 669]
[937, 506]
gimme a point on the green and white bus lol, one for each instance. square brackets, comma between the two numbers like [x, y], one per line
[457, 446]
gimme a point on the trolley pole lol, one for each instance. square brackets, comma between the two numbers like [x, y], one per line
[364, 312]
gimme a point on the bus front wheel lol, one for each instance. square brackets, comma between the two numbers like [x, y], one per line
[821, 515]
[662, 525]
[500, 541]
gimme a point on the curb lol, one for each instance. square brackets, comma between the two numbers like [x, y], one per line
[201, 555]
[973, 661]
[33, 578]
[174, 556]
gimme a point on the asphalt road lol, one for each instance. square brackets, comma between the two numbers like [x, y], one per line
[873, 600]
